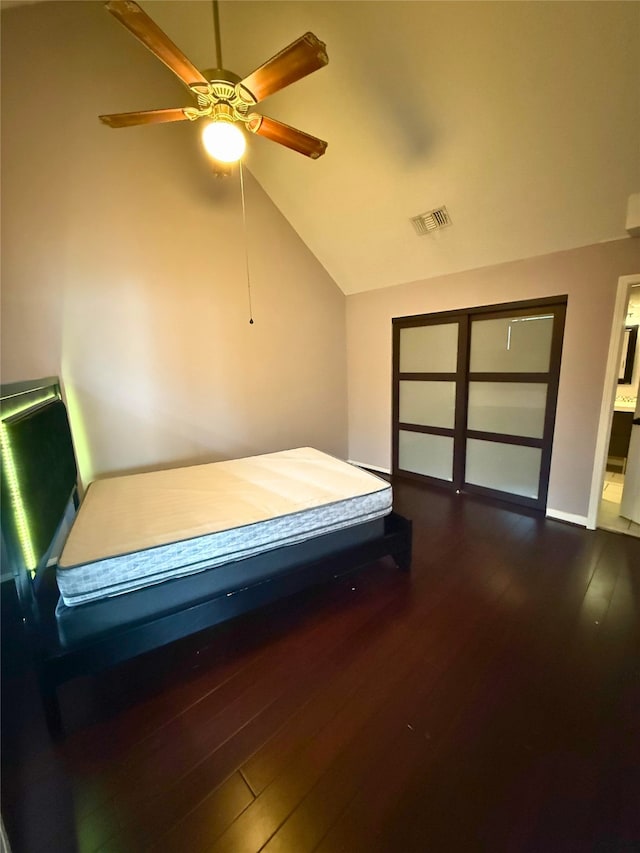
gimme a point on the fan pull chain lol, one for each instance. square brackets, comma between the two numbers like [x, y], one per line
[246, 244]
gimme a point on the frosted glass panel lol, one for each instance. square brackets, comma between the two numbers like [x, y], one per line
[428, 403]
[508, 407]
[506, 467]
[511, 345]
[429, 349]
[426, 454]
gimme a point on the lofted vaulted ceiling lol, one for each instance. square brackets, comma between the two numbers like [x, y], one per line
[522, 118]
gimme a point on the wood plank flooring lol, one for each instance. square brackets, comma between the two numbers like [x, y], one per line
[488, 701]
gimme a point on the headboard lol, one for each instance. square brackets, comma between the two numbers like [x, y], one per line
[39, 477]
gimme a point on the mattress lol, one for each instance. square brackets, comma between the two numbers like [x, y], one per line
[87, 622]
[142, 529]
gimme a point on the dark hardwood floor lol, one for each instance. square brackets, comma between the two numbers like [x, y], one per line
[490, 701]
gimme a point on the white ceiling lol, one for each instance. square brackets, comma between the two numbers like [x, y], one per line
[523, 118]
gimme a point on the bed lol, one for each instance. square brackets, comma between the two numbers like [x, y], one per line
[147, 559]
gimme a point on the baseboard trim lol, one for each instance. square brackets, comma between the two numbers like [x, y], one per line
[569, 517]
[557, 514]
[370, 467]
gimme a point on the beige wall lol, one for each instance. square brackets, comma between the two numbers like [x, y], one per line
[123, 265]
[588, 276]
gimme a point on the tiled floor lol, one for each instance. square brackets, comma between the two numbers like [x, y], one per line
[608, 512]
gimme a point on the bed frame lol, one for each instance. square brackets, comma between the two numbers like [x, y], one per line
[40, 496]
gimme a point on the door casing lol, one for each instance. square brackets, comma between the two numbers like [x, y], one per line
[625, 283]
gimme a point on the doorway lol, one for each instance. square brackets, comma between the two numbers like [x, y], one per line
[619, 505]
[474, 398]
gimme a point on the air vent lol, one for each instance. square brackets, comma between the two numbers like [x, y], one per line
[432, 220]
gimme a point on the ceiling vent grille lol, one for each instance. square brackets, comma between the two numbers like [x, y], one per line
[432, 220]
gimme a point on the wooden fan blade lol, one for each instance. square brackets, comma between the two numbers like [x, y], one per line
[149, 33]
[297, 140]
[303, 56]
[145, 117]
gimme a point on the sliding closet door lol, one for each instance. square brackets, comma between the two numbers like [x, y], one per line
[428, 398]
[474, 398]
[514, 364]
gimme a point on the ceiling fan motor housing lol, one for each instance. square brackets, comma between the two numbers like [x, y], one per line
[221, 75]
[223, 99]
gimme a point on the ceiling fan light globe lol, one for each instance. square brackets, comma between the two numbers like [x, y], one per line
[224, 141]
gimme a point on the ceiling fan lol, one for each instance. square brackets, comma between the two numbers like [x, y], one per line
[221, 95]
